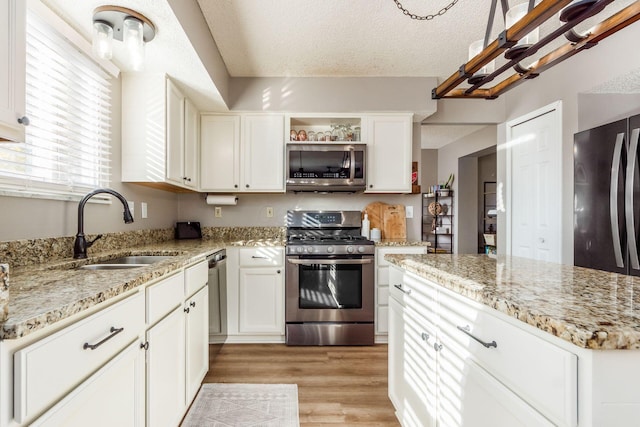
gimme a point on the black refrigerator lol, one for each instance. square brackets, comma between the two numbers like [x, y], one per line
[606, 222]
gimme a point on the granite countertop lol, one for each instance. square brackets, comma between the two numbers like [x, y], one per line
[401, 242]
[589, 308]
[43, 294]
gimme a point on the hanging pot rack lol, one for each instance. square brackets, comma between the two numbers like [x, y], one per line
[508, 38]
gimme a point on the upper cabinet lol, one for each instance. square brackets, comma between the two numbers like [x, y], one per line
[324, 128]
[242, 153]
[389, 150]
[159, 133]
[12, 69]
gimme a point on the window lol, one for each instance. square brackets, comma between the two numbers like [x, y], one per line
[68, 101]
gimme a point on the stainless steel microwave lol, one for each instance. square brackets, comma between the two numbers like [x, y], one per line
[326, 167]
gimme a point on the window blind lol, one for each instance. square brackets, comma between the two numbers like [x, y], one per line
[68, 101]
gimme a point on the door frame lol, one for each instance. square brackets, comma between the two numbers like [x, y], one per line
[555, 108]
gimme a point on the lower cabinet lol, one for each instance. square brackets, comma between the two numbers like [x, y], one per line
[139, 361]
[197, 348]
[166, 370]
[255, 294]
[453, 363]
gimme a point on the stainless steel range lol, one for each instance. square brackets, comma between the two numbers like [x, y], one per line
[329, 279]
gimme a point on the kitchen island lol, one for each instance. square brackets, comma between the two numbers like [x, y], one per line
[537, 343]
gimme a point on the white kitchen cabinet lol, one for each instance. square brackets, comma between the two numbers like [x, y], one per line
[389, 153]
[462, 365]
[261, 295]
[242, 153]
[255, 294]
[382, 285]
[12, 69]
[166, 370]
[396, 357]
[113, 396]
[159, 133]
[78, 351]
[197, 341]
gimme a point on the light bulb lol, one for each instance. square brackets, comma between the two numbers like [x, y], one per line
[102, 42]
[133, 39]
[475, 48]
[516, 13]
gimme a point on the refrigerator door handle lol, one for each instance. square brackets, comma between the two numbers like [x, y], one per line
[613, 200]
[628, 199]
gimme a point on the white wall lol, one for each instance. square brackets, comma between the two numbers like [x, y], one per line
[27, 218]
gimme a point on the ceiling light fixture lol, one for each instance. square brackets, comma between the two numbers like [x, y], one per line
[571, 14]
[126, 25]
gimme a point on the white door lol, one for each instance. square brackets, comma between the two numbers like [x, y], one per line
[389, 154]
[175, 134]
[191, 133]
[219, 153]
[261, 295]
[197, 349]
[263, 153]
[534, 176]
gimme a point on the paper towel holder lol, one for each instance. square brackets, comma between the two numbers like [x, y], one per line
[221, 199]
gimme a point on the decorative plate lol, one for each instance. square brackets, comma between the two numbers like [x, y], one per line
[435, 208]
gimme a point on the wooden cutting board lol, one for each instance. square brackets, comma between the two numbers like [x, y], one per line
[375, 212]
[394, 222]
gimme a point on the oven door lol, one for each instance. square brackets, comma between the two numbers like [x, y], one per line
[330, 288]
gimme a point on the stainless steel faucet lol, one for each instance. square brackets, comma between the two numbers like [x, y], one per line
[81, 244]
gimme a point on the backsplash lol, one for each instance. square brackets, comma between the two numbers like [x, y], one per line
[4, 292]
[18, 253]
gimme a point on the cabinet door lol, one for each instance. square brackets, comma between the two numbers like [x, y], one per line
[219, 153]
[166, 371]
[261, 296]
[419, 371]
[389, 154]
[175, 134]
[12, 68]
[471, 395]
[396, 355]
[113, 396]
[197, 350]
[263, 153]
[191, 132]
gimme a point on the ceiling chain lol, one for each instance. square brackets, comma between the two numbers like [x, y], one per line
[425, 17]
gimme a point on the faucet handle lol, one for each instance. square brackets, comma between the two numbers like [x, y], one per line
[91, 242]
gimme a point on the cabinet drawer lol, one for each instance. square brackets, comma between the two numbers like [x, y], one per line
[261, 257]
[397, 288]
[541, 373]
[50, 368]
[381, 252]
[164, 297]
[421, 297]
[195, 278]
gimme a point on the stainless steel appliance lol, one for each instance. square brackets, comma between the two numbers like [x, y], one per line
[329, 279]
[217, 295]
[326, 167]
[606, 197]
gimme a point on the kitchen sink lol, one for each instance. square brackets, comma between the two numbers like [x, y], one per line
[125, 262]
[137, 259]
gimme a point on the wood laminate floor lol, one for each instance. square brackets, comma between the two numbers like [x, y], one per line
[344, 386]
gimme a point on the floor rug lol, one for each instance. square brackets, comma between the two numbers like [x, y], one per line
[244, 405]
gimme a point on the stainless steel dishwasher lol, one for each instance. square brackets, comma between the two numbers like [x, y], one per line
[217, 296]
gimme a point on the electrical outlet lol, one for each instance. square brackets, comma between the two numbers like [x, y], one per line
[131, 208]
[408, 211]
[269, 212]
[218, 212]
[143, 210]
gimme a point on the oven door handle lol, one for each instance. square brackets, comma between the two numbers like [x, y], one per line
[330, 261]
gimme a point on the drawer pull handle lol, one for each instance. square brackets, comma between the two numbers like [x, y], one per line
[424, 336]
[113, 331]
[259, 257]
[408, 291]
[467, 329]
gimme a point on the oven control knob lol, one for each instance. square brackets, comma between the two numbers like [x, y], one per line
[330, 249]
[361, 249]
[350, 249]
[299, 249]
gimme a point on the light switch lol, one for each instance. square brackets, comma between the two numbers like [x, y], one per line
[269, 212]
[131, 208]
[218, 212]
[143, 210]
[408, 211]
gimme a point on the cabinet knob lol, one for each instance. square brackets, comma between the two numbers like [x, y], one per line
[437, 347]
[24, 120]
[192, 303]
[186, 310]
[235, 186]
[247, 185]
[278, 271]
[370, 185]
[145, 345]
